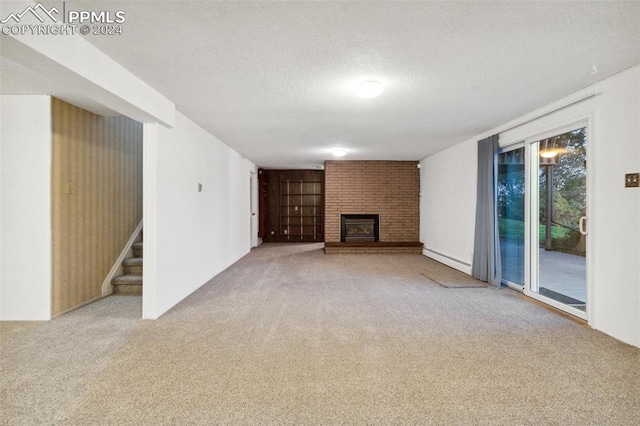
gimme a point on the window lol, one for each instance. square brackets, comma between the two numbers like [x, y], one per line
[511, 214]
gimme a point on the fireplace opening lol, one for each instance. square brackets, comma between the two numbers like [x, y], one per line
[359, 228]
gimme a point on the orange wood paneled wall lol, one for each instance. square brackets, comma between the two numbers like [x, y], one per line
[96, 199]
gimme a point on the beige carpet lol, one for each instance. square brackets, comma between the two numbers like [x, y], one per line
[291, 336]
[448, 277]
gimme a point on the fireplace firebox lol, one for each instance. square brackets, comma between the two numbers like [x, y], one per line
[358, 228]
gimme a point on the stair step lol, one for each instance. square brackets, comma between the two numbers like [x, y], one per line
[138, 249]
[127, 279]
[127, 284]
[132, 266]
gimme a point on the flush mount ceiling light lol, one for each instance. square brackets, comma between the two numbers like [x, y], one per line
[369, 89]
[339, 152]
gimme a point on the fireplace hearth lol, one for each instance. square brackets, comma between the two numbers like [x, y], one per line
[359, 228]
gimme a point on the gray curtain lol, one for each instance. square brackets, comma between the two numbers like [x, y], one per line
[486, 249]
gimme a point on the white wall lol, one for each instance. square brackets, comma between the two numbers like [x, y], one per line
[191, 236]
[25, 208]
[447, 205]
[448, 197]
[617, 209]
[255, 241]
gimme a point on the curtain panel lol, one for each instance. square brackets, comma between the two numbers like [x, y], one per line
[486, 250]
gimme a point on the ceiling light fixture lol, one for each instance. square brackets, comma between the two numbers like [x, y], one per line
[339, 152]
[549, 153]
[369, 89]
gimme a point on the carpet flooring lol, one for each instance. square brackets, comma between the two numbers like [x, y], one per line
[288, 335]
[449, 277]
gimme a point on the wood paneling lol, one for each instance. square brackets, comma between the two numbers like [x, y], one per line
[96, 199]
[294, 205]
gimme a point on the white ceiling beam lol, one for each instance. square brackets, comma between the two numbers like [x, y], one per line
[73, 61]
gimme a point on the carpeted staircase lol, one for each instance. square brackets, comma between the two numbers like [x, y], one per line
[131, 282]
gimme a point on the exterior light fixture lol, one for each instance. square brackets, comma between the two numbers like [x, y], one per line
[369, 89]
[339, 152]
[551, 147]
[548, 154]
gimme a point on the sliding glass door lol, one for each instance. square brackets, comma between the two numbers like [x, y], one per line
[511, 192]
[558, 220]
[542, 214]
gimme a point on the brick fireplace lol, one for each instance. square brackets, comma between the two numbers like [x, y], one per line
[359, 228]
[388, 191]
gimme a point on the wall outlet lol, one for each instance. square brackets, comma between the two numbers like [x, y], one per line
[631, 180]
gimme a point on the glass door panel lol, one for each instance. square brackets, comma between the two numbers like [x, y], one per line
[511, 214]
[558, 214]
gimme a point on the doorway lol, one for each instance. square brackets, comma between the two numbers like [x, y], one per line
[558, 196]
[542, 217]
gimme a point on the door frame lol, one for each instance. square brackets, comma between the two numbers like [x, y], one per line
[535, 132]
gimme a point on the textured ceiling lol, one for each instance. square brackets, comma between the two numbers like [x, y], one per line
[274, 80]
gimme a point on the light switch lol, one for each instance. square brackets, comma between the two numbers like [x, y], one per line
[199, 187]
[631, 180]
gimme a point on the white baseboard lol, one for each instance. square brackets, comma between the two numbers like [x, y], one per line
[107, 288]
[448, 260]
[85, 303]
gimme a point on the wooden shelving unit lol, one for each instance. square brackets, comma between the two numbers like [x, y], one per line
[292, 205]
[301, 208]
